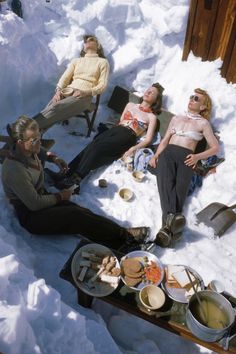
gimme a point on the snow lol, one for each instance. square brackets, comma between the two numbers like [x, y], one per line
[143, 40]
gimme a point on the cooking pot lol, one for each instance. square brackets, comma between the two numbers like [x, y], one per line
[216, 308]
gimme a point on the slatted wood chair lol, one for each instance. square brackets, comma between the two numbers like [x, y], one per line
[89, 115]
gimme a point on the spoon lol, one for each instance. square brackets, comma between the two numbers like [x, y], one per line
[201, 308]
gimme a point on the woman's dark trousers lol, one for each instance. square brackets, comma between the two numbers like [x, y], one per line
[103, 150]
[173, 179]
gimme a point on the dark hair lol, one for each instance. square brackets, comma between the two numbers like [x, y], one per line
[100, 50]
[156, 106]
[20, 126]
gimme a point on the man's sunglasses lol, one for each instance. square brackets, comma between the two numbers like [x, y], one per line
[33, 141]
[195, 98]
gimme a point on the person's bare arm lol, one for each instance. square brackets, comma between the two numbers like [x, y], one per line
[163, 144]
[192, 159]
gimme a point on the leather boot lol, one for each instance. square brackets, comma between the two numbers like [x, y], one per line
[163, 237]
[175, 222]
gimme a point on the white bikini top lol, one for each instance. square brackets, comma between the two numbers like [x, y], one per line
[189, 134]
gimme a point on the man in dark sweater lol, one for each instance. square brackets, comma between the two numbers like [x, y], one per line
[46, 213]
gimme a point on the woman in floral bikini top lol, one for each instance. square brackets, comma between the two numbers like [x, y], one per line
[121, 140]
[139, 127]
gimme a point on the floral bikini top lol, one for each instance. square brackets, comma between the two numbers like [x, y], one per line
[138, 126]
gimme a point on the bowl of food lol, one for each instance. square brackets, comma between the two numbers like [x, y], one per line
[141, 268]
[95, 270]
[152, 297]
[138, 176]
[126, 194]
[67, 91]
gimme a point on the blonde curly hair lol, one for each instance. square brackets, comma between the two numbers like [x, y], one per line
[206, 112]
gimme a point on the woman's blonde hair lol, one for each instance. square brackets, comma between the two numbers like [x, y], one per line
[23, 123]
[206, 112]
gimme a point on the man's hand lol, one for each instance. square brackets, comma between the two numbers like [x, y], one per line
[61, 164]
[191, 160]
[66, 194]
[153, 162]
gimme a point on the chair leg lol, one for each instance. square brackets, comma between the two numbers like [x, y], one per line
[91, 122]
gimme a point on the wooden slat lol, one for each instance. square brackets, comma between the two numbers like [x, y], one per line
[5, 139]
[203, 27]
[189, 30]
[222, 29]
[231, 71]
[228, 69]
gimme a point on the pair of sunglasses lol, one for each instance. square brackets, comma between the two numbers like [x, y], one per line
[34, 141]
[194, 98]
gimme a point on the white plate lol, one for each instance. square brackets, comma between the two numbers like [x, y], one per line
[180, 295]
[140, 256]
[97, 288]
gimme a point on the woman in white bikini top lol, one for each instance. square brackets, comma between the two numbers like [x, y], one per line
[186, 130]
[191, 134]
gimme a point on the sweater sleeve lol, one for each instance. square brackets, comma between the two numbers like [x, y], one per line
[20, 184]
[103, 79]
[66, 78]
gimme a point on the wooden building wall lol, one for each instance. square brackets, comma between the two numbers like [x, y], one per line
[211, 33]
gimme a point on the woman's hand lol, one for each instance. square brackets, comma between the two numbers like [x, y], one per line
[130, 152]
[79, 93]
[191, 160]
[57, 96]
[153, 161]
[61, 164]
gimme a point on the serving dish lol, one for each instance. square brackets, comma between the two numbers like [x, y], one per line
[95, 280]
[149, 270]
[182, 294]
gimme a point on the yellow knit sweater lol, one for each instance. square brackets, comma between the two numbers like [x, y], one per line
[88, 74]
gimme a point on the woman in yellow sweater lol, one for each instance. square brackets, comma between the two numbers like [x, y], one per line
[87, 76]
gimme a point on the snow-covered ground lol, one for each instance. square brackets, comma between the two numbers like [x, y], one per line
[143, 40]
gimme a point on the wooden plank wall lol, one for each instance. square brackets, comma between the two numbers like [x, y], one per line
[211, 33]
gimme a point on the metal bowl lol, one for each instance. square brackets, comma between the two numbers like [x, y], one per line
[143, 257]
[97, 288]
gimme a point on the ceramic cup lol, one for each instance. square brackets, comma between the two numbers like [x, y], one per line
[126, 194]
[67, 91]
[138, 176]
[152, 297]
[216, 285]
